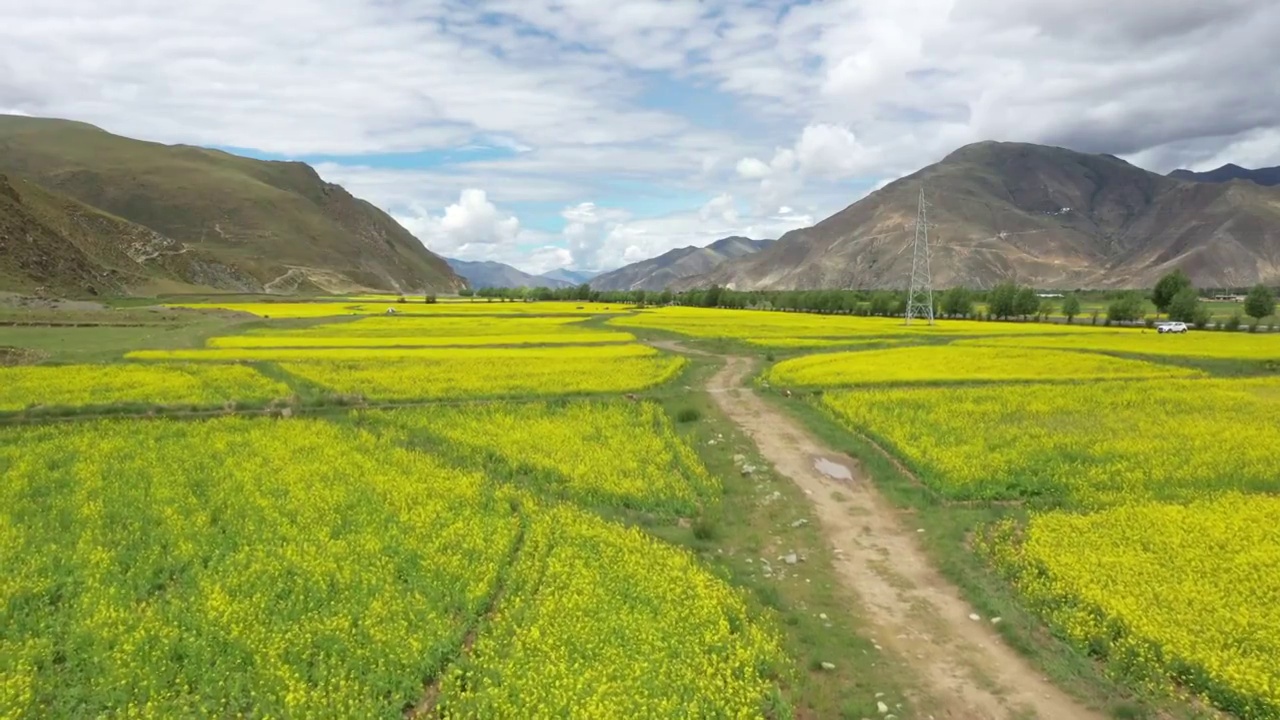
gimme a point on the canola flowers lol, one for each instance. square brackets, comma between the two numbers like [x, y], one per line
[101, 385]
[1163, 591]
[235, 568]
[1193, 344]
[602, 621]
[952, 363]
[760, 324]
[480, 373]
[320, 341]
[612, 453]
[1092, 444]
[414, 307]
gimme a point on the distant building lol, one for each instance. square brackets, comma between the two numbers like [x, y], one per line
[1229, 298]
[1050, 295]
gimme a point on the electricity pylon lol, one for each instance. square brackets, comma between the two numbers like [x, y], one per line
[920, 297]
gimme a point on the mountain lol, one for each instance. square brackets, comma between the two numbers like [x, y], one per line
[1263, 176]
[573, 277]
[250, 225]
[1043, 216]
[489, 274]
[659, 272]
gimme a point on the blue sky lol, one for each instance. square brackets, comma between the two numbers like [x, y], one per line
[582, 134]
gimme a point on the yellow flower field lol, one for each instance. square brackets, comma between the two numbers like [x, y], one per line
[1194, 344]
[584, 337]
[1089, 443]
[610, 453]
[442, 326]
[602, 621]
[953, 363]
[169, 384]
[467, 373]
[377, 355]
[1190, 592]
[234, 568]
[328, 309]
[744, 324]
[787, 343]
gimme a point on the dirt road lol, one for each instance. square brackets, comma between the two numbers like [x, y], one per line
[962, 663]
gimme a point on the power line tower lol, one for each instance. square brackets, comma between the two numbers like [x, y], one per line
[920, 297]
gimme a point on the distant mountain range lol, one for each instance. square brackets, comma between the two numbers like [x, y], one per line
[660, 272]
[488, 274]
[573, 277]
[1269, 177]
[1043, 216]
[85, 211]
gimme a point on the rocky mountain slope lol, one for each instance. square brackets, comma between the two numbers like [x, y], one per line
[254, 225]
[1262, 176]
[489, 274]
[660, 272]
[1043, 216]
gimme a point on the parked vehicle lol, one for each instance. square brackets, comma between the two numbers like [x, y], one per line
[1172, 327]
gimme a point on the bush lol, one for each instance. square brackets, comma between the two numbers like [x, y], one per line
[1253, 326]
[1150, 322]
[1232, 323]
[704, 528]
[688, 415]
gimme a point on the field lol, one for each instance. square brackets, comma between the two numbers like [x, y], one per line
[158, 384]
[280, 310]
[953, 363]
[437, 561]
[1131, 507]
[1218, 345]
[761, 327]
[309, 509]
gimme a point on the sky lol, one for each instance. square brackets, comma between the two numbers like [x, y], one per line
[587, 134]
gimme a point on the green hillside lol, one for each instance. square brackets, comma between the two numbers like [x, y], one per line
[256, 225]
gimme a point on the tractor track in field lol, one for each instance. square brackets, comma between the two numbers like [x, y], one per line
[962, 664]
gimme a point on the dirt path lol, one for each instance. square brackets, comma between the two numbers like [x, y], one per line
[962, 663]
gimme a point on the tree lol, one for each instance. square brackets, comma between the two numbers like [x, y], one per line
[1185, 306]
[881, 303]
[467, 292]
[1026, 302]
[1169, 286]
[664, 297]
[1071, 306]
[1260, 302]
[1002, 300]
[957, 302]
[1126, 308]
[712, 297]
[430, 299]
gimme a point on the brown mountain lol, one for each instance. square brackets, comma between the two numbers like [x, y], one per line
[1227, 173]
[254, 225]
[659, 272]
[1043, 216]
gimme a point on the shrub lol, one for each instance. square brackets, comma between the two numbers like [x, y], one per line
[1232, 323]
[688, 415]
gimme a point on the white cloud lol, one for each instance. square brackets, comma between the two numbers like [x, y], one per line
[471, 221]
[753, 168]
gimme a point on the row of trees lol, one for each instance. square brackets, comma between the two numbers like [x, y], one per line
[1173, 296]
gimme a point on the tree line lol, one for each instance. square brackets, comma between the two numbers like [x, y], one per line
[1174, 296]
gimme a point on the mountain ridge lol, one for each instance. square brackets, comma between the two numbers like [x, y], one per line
[1039, 215]
[657, 273]
[273, 226]
[490, 274]
[1268, 177]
